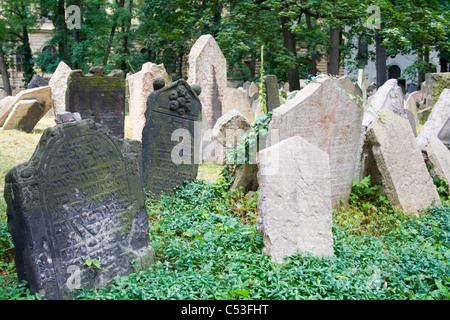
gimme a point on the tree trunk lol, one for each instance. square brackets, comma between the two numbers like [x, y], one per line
[28, 64]
[313, 56]
[76, 33]
[380, 52]
[4, 72]
[333, 53]
[61, 27]
[289, 43]
[251, 64]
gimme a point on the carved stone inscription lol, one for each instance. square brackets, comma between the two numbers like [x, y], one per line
[79, 199]
[98, 97]
[168, 139]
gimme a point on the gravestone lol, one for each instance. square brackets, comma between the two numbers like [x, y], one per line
[79, 199]
[41, 94]
[238, 99]
[3, 94]
[229, 131]
[388, 96]
[362, 83]
[399, 160]
[439, 115]
[325, 115]
[98, 97]
[435, 83]
[140, 86]
[272, 93]
[438, 155]
[36, 82]
[444, 134]
[294, 200]
[170, 138]
[24, 115]
[208, 69]
[58, 83]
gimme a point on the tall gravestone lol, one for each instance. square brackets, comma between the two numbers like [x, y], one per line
[140, 86]
[272, 93]
[325, 115]
[171, 136]
[79, 199]
[208, 69]
[99, 97]
[294, 200]
[58, 83]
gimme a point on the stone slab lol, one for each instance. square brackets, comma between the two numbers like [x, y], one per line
[325, 115]
[170, 139]
[78, 199]
[405, 177]
[99, 97]
[294, 200]
[140, 86]
[58, 84]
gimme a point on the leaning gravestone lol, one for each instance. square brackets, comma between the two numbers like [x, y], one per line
[79, 199]
[325, 115]
[438, 155]
[170, 138]
[404, 175]
[140, 86]
[36, 82]
[444, 134]
[439, 115]
[98, 97]
[272, 93]
[16, 113]
[294, 200]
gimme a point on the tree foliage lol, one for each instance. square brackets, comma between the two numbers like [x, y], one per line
[296, 34]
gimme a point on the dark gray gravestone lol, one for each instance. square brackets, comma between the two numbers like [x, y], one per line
[98, 97]
[272, 93]
[444, 134]
[169, 144]
[77, 201]
[37, 81]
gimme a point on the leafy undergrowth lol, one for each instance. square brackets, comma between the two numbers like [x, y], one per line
[208, 247]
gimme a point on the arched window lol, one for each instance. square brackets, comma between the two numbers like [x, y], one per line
[394, 72]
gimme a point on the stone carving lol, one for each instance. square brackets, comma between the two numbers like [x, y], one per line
[169, 137]
[98, 97]
[294, 200]
[78, 199]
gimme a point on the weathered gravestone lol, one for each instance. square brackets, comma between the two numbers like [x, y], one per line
[294, 200]
[325, 115]
[438, 155]
[272, 93]
[140, 86]
[170, 140]
[404, 175]
[229, 131]
[444, 134]
[435, 83]
[58, 83]
[439, 115]
[18, 113]
[79, 199]
[98, 97]
[36, 82]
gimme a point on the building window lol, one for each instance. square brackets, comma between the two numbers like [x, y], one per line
[394, 72]
[19, 62]
[363, 50]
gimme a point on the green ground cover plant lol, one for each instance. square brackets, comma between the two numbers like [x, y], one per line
[208, 249]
